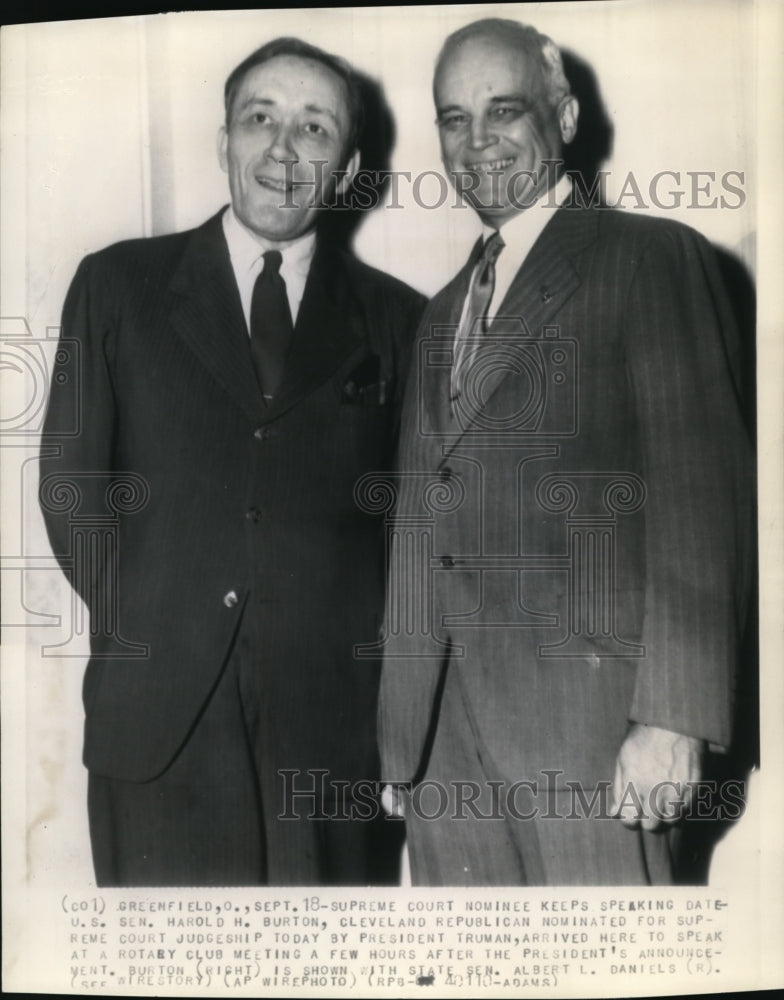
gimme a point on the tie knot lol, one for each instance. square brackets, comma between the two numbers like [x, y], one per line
[493, 247]
[272, 261]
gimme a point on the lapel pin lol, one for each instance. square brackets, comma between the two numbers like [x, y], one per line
[546, 293]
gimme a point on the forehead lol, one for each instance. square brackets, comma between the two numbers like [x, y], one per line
[484, 65]
[294, 82]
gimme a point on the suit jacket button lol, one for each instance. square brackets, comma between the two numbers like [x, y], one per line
[253, 514]
[447, 562]
[231, 600]
[260, 433]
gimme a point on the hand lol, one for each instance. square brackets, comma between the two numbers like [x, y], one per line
[652, 775]
[392, 800]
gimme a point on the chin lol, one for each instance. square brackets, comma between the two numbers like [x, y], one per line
[271, 226]
[490, 195]
[485, 208]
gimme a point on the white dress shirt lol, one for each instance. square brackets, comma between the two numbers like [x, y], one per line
[246, 251]
[519, 235]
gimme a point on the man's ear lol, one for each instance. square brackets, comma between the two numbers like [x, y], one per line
[568, 113]
[222, 146]
[351, 168]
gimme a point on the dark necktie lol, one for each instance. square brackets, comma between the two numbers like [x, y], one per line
[474, 321]
[270, 325]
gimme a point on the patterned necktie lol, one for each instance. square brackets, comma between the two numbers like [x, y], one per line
[270, 325]
[473, 324]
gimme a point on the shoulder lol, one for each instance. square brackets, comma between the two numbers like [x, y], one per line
[137, 274]
[372, 285]
[159, 255]
[145, 251]
[604, 242]
[645, 232]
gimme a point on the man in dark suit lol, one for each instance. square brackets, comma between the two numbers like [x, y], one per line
[233, 383]
[576, 478]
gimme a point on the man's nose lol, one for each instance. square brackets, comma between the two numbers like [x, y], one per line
[480, 136]
[281, 148]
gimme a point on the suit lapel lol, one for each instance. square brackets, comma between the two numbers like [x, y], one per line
[548, 276]
[329, 327]
[443, 318]
[208, 316]
[546, 280]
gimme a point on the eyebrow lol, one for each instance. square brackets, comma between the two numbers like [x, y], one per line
[268, 103]
[316, 110]
[496, 99]
[440, 112]
[506, 98]
[250, 101]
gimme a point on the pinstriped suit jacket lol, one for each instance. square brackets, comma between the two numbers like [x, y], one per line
[589, 537]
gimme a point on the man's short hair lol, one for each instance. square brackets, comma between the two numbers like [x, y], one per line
[303, 50]
[535, 45]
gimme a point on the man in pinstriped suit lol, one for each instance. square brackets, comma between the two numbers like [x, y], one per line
[574, 461]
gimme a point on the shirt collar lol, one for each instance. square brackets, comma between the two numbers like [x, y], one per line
[246, 248]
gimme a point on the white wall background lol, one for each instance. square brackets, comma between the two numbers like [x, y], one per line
[109, 132]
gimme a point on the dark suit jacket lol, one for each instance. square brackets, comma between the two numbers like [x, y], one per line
[591, 526]
[240, 509]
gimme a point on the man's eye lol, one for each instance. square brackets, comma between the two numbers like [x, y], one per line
[313, 128]
[452, 122]
[258, 118]
[504, 113]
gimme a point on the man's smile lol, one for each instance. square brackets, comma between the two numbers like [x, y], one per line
[486, 167]
[273, 183]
